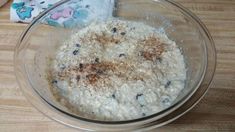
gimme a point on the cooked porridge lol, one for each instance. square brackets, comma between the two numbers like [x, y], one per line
[117, 70]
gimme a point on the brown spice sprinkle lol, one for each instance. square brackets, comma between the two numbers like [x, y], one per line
[105, 39]
[95, 72]
[93, 78]
[92, 72]
[153, 48]
[102, 38]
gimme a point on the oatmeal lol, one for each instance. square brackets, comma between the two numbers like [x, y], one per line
[117, 70]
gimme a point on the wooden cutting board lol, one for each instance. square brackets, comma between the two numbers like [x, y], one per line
[216, 112]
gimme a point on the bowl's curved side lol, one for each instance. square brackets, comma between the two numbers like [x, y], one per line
[146, 123]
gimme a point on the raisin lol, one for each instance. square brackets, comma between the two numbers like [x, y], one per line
[78, 45]
[80, 65]
[97, 60]
[121, 55]
[166, 101]
[42, 2]
[75, 52]
[138, 95]
[113, 95]
[54, 81]
[114, 30]
[123, 33]
[168, 84]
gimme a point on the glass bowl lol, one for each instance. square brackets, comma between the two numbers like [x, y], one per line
[39, 41]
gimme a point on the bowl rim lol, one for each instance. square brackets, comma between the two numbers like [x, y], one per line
[152, 117]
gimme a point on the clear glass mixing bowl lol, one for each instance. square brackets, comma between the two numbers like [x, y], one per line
[39, 41]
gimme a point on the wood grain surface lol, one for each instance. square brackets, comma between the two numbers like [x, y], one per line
[216, 112]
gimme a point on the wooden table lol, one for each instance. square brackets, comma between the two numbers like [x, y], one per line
[216, 112]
